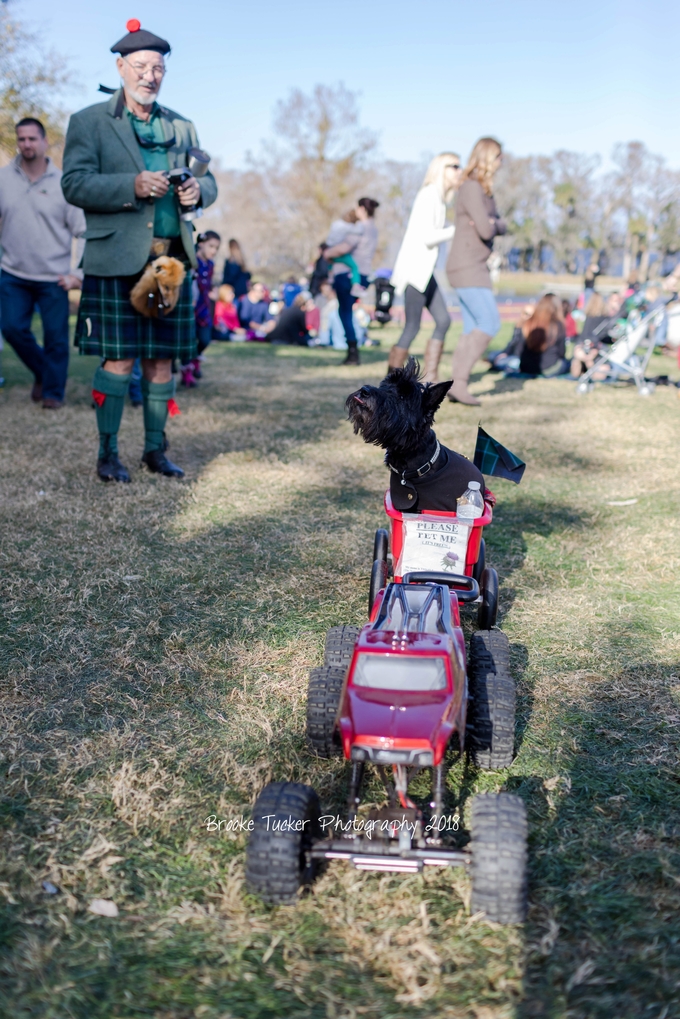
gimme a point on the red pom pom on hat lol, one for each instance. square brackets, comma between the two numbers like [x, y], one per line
[133, 25]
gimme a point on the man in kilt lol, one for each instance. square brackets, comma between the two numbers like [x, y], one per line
[116, 158]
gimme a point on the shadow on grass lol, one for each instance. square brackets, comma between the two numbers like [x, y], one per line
[603, 937]
[512, 520]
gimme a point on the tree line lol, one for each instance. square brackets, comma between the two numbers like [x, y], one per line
[563, 210]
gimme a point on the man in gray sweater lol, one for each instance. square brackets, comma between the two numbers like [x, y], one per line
[38, 226]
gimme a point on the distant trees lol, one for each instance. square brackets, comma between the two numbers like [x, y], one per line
[30, 82]
[318, 164]
[563, 210]
[559, 208]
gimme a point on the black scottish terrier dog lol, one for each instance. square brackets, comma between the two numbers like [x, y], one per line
[397, 415]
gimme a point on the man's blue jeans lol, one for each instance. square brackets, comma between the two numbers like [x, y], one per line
[18, 299]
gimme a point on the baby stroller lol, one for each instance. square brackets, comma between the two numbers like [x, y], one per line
[621, 358]
[384, 296]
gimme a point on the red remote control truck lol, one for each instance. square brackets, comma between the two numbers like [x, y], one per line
[390, 696]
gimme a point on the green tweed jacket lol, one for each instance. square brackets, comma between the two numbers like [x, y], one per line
[101, 160]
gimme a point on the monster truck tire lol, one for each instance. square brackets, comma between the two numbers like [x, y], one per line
[491, 714]
[276, 863]
[323, 701]
[488, 607]
[340, 641]
[499, 857]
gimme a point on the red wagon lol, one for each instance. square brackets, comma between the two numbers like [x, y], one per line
[437, 543]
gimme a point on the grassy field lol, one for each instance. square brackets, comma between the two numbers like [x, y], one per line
[156, 640]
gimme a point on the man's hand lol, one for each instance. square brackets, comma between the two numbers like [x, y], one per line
[70, 282]
[190, 192]
[151, 184]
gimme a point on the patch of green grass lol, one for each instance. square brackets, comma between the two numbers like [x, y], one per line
[155, 646]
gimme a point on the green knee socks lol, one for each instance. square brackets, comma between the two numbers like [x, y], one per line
[109, 392]
[156, 396]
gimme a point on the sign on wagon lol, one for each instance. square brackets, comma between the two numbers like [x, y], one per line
[432, 543]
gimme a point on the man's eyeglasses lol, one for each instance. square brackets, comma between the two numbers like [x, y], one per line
[157, 70]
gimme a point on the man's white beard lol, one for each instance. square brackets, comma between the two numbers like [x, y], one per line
[143, 98]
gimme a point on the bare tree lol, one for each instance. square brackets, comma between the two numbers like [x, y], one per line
[569, 177]
[320, 162]
[522, 199]
[629, 186]
[30, 82]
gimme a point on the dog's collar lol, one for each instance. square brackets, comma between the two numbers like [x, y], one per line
[425, 469]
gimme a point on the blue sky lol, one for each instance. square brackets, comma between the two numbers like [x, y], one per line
[431, 75]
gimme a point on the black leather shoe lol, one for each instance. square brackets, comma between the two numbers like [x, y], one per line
[109, 468]
[157, 461]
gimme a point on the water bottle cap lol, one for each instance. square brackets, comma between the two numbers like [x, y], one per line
[475, 486]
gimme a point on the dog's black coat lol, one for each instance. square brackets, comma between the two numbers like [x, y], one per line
[397, 415]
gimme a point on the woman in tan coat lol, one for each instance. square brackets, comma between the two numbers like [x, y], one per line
[477, 223]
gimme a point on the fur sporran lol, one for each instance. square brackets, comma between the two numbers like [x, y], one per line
[157, 291]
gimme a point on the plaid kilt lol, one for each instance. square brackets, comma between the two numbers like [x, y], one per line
[110, 327]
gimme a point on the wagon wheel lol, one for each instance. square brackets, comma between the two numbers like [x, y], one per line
[488, 608]
[378, 582]
[478, 568]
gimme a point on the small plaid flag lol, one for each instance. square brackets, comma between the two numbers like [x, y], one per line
[493, 459]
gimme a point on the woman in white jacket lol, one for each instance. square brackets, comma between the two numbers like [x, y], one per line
[414, 267]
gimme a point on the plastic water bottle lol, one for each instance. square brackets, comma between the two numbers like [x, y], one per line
[471, 504]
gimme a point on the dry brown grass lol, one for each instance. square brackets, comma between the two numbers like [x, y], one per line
[156, 644]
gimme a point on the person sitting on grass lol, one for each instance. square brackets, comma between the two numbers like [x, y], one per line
[544, 350]
[289, 291]
[538, 345]
[225, 319]
[253, 313]
[508, 359]
[600, 316]
[570, 327]
[594, 336]
[291, 325]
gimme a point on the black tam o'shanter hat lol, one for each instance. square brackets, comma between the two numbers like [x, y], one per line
[139, 39]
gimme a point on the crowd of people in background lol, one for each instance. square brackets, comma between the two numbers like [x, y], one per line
[327, 307]
[320, 309]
